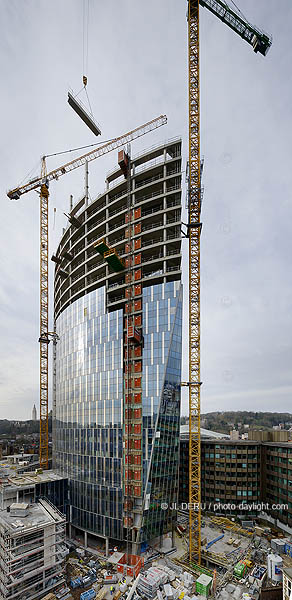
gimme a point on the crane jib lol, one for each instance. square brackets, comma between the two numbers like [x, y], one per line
[89, 156]
[259, 40]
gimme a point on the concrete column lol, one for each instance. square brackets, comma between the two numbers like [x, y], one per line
[86, 185]
[165, 241]
[85, 539]
[164, 216]
[107, 546]
[107, 231]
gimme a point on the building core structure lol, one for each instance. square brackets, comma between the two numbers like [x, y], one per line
[118, 317]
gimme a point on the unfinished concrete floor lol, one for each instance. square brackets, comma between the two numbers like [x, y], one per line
[222, 547]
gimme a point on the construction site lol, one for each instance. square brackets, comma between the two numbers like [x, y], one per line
[115, 354]
[237, 562]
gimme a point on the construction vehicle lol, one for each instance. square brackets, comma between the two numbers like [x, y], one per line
[42, 183]
[261, 43]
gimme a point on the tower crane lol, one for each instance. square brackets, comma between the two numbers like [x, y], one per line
[261, 43]
[42, 183]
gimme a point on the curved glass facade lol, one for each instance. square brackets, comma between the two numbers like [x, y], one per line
[89, 408]
[162, 306]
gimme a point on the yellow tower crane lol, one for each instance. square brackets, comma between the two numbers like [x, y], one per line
[42, 183]
[261, 43]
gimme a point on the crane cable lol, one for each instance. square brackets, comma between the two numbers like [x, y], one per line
[30, 174]
[240, 12]
[75, 149]
[85, 50]
[85, 36]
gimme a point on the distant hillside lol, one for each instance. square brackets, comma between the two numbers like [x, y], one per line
[13, 428]
[225, 421]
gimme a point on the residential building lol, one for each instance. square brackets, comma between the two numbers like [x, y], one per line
[265, 435]
[32, 550]
[118, 317]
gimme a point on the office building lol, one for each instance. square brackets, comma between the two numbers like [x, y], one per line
[249, 472]
[118, 313]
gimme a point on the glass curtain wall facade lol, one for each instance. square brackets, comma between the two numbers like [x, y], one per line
[140, 218]
[89, 409]
[89, 404]
[161, 403]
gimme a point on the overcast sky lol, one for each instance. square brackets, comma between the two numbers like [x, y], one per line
[137, 70]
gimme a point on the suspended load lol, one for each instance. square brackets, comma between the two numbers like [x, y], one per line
[110, 255]
[114, 261]
[83, 114]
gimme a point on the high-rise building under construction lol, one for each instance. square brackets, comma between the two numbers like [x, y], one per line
[118, 314]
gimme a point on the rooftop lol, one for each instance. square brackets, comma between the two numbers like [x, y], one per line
[26, 479]
[205, 433]
[279, 444]
[39, 514]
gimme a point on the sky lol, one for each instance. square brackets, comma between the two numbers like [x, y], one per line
[137, 70]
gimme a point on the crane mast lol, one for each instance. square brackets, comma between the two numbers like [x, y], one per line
[44, 325]
[194, 227]
[261, 43]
